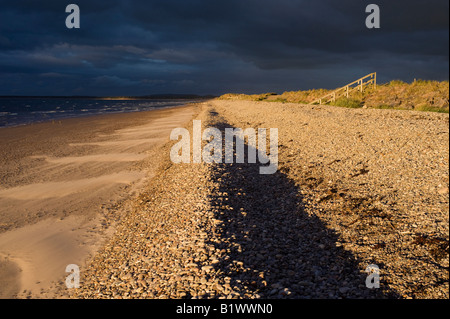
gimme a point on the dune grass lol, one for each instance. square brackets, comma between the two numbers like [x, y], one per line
[420, 95]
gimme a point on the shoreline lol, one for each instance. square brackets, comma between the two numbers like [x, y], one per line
[354, 187]
[89, 115]
[61, 185]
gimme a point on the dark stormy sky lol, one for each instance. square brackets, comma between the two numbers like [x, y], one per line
[139, 47]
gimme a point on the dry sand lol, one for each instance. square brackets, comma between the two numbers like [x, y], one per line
[59, 180]
[354, 187]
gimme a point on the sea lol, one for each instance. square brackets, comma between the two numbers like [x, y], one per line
[16, 111]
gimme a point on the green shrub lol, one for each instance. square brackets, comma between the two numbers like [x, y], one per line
[348, 102]
[429, 108]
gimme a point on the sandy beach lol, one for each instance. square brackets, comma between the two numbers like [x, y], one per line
[61, 181]
[354, 187]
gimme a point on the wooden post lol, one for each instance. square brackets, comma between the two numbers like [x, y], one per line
[360, 85]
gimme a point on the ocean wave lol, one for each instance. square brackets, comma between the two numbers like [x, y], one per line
[32, 110]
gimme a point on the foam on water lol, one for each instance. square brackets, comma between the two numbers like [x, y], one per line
[19, 111]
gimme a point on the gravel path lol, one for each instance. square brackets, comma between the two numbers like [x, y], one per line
[354, 187]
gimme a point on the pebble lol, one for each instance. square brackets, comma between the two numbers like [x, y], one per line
[207, 269]
[344, 290]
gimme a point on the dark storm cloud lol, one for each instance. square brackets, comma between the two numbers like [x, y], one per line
[199, 46]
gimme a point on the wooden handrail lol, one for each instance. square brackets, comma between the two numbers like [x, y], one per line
[360, 86]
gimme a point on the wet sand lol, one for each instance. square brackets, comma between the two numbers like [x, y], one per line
[60, 183]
